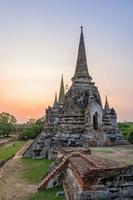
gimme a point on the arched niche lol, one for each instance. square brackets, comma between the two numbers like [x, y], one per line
[95, 121]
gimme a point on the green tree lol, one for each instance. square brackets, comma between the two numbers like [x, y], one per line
[32, 129]
[127, 130]
[7, 124]
[130, 136]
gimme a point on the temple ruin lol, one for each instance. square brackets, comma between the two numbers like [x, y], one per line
[77, 118]
[89, 177]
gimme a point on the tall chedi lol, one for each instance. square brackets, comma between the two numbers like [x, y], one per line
[77, 118]
[77, 97]
[81, 71]
[79, 108]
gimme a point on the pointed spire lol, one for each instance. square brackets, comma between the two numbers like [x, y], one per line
[106, 107]
[62, 92]
[55, 101]
[81, 66]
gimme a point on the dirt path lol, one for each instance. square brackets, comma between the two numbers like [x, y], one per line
[12, 185]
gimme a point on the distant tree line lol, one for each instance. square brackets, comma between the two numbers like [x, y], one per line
[127, 130]
[29, 130]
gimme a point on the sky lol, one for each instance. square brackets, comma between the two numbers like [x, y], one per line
[39, 41]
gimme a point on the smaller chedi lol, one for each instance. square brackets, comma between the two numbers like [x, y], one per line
[77, 118]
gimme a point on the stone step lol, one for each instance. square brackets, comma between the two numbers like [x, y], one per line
[52, 172]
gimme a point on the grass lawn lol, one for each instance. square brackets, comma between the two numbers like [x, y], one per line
[33, 172]
[35, 169]
[49, 194]
[10, 149]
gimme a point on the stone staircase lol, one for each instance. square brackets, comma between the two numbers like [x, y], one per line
[56, 169]
[20, 153]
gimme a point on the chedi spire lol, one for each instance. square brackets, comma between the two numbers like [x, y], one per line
[81, 71]
[106, 107]
[62, 92]
[55, 101]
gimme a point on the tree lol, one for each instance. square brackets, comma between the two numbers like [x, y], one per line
[7, 124]
[130, 136]
[32, 129]
[127, 130]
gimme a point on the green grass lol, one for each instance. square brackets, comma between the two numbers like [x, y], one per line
[49, 194]
[10, 149]
[33, 172]
[35, 169]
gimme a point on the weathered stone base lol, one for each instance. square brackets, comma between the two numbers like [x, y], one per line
[46, 145]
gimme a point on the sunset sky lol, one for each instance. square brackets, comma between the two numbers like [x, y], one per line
[39, 41]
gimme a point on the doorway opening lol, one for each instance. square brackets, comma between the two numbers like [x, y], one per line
[95, 121]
